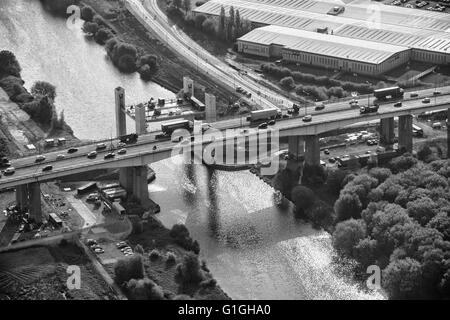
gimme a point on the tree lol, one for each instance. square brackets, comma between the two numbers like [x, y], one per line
[347, 235]
[321, 214]
[381, 174]
[402, 279]
[285, 180]
[127, 63]
[347, 206]
[103, 35]
[151, 60]
[9, 64]
[287, 83]
[43, 88]
[144, 289]
[334, 181]
[221, 27]
[303, 198]
[238, 24]
[87, 13]
[129, 268]
[189, 271]
[424, 152]
[177, 3]
[209, 26]
[90, 28]
[230, 24]
[146, 72]
[441, 222]
[422, 210]
[198, 20]
[187, 5]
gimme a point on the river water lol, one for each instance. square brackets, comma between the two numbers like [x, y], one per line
[254, 250]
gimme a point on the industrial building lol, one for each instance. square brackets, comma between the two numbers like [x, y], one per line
[425, 34]
[323, 50]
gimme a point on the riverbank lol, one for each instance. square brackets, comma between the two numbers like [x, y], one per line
[171, 68]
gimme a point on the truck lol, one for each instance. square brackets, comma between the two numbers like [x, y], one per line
[261, 115]
[169, 127]
[368, 109]
[390, 93]
[417, 131]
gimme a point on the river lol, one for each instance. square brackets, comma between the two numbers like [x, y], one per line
[254, 250]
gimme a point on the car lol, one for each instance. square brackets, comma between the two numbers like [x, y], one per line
[40, 158]
[397, 104]
[101, 146]
[9, 171]
[307, 118]
[72, 150]
[426, 100]
[263, 126]
[436, 93]
[414, 95]
[332, 160]
[60, 157]
[319, 107]
[123, 151]
[93, 197]
[91, 242]
[121, 145]
[121, 245]
[238, 89]
[92, 154]
[154, 148]
[110, 155]
[271, 122]
[326, 151]
[99, 250]
[353, 101]
[125, 248]
[47, 168]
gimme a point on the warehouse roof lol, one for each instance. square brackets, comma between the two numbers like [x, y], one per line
[398, 26]
[323, 44]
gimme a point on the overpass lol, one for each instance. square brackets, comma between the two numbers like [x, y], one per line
[303, 142]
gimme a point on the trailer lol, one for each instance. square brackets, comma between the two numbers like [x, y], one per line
[266, 114]
[369, 109]
[129, 138]
[86, 188]
[169, 127]
[385, 94]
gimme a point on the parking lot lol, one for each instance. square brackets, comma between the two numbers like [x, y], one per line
[439, 6]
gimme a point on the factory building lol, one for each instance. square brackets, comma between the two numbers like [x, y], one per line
[424, 35]
[323, 50]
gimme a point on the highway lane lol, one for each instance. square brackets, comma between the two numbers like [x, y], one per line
[221, 72]
[147, 142]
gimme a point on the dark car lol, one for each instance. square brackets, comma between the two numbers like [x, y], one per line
[326, 151]
[72, 150]
[47, 168]
[262, 126]
[332, 160]
[397, 104]
[271, 122]
[110, 155]
[436, 93]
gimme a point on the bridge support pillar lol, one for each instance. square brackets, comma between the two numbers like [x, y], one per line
[448, 133]
[121, 121]
[141, 120]
[405, 137]
[22, 196]
[35, 201]
[126, 178]
[140, 184]
[312, 150]
[296, 151]
[387, 134]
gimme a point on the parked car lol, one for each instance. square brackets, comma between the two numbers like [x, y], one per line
[91, 242]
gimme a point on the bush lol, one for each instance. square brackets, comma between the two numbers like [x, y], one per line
[103, 34]
[287, 83]
[424, 152]
[171, 258]
[321, 215]
[144, 289]
[181, 236]
[154, 255]
[139, 249]
[90, 28]
[402, 163]
[127, 63]
[209, 26]
[42, 88]
[303, 199]
[189, 271]
[129, 268]
[285, 181]
[313, 175]
[209, 283]
[87, 13]
[9, 66]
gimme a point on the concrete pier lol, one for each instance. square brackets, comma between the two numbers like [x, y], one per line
[312, 150]
[387, 133]
[405, 137]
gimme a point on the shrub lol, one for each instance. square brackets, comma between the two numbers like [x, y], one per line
[103, 34]
[189, 271]
[287, 83]
[208, 283]
[154, 255]
[321, 214]
[347, 206]
[9, 66]
[139, 249]
[144, 289]
[129, 268]
[314, 175]
[42, 88]
[171, 258]
[87, 13]
[303, 198]
[90, 28]
[181, 236]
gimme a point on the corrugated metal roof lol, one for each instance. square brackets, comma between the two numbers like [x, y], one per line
[323, 44]
[398, 26]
